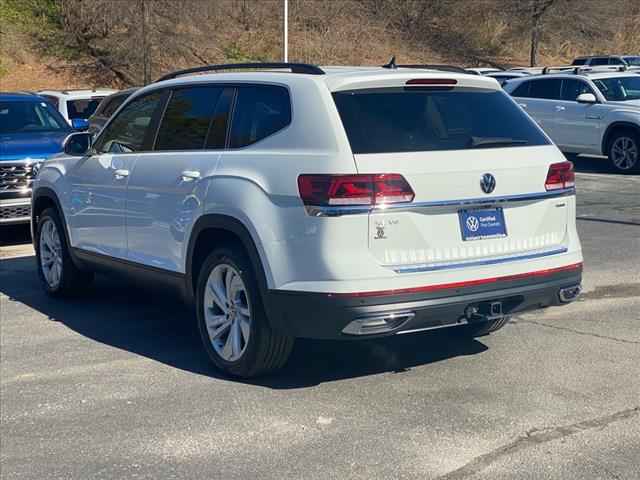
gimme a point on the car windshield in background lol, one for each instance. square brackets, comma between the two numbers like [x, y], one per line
[387, 120]
[82, 108]
[30, 116]
[619, 89]
[635, 61]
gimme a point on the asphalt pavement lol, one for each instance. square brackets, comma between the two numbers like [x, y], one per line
[115, 385]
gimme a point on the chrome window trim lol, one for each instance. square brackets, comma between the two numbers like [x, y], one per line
[336, 211]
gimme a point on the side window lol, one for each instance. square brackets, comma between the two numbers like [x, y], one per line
[52, 100]
[131, 131]
[260, 111]
[110, 108]
[615, 61]
[572, 88]
[187, 118]
[548, 89]
[522, 90]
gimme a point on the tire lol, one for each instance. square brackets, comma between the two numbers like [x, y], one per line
[57, 272]
[484, 328]
[624, 151]
[237, 346]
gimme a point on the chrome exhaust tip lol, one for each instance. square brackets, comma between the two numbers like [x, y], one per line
[378, 323]
[569, 294]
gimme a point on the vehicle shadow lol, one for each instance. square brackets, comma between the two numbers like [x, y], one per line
[584, 164]
[159, 326]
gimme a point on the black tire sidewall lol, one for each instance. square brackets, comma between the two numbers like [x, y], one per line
[636, 138]
[246, 365]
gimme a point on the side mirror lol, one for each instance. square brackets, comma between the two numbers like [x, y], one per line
[587, 98]
[79, 124]
[77, 144]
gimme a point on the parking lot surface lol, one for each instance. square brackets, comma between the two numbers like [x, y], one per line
[116, 385]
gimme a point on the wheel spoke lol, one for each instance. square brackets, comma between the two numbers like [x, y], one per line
[217, 328]
[245, 328]
[235, 338]
[244, 311]
[218, 297]
[228, 282]
[227, 350]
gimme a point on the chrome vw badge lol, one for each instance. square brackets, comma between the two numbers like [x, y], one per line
[473, 224]
[488, 183]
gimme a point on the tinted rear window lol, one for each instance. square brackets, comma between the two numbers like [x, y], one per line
[390, 120]
[82, 108]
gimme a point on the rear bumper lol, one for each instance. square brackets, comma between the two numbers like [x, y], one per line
[15, 211]
[321, 315]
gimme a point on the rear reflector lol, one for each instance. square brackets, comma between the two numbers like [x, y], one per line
[432, 81]
[560, 175]
[334, 190]
[469, 283]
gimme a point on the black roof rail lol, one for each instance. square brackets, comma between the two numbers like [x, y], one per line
[294, 67]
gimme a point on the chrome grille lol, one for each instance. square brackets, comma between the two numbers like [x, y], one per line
[13, 212]
[16, 177]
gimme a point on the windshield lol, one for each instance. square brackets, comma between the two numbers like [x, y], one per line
[619, 89]
[413, 119]
[30, 116]
[82, 108]
[632, 61]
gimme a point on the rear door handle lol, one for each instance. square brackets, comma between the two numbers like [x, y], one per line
[190, 175]
[120, 173]
[560, 108]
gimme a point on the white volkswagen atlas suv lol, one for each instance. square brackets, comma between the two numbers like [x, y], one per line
[289, 200]
[589, 111]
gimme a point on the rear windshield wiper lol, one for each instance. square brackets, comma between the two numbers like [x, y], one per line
[488, 142]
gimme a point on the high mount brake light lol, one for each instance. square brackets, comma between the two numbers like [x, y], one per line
[444, 82]
[365, 189]
[559, 176]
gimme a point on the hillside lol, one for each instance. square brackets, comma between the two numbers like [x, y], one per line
[72, 43]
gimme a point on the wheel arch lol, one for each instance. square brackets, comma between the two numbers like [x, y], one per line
[612, 129]
[43, 198]
[212, 229]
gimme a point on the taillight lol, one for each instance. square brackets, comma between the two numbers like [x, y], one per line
[374, 189]
[446, 82]
[560, 175]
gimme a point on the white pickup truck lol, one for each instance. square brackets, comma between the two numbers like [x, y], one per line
[590, 112]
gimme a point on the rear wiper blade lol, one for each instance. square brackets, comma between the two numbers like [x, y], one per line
[487, 142]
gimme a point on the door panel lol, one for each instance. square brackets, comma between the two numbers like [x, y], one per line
[98, 193]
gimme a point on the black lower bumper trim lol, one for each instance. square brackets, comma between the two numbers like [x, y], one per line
[317, 315]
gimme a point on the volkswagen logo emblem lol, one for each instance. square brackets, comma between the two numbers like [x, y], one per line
[473, 224]
[488, 183]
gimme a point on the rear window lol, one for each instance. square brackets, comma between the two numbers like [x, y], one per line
[579, 61]
[82, 108]
[390, 120]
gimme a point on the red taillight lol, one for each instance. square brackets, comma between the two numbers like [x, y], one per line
[375, 189]
[560, 175]
[432, 81]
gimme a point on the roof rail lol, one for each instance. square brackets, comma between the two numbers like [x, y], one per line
[294, 67]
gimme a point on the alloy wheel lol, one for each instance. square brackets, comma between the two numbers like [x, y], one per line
[227, 312]
[50, 253]
[624, 153]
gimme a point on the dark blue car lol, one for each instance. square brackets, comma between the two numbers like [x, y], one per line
[31, 130]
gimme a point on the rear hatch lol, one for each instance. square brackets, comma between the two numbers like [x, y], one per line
[477, 166]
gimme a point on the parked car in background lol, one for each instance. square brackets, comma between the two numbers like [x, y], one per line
[107, 107]
[31, 130]
[601, 60]
[482, 70]
[504, 77]
[76, 104]
[334, 202]
[589, 112]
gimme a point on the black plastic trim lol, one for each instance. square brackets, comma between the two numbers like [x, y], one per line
[294, 67]
[318, 315]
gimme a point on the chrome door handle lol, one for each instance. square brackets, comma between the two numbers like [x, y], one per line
[190, 175]
[120, 174]
[560, 108]
[523, 105]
